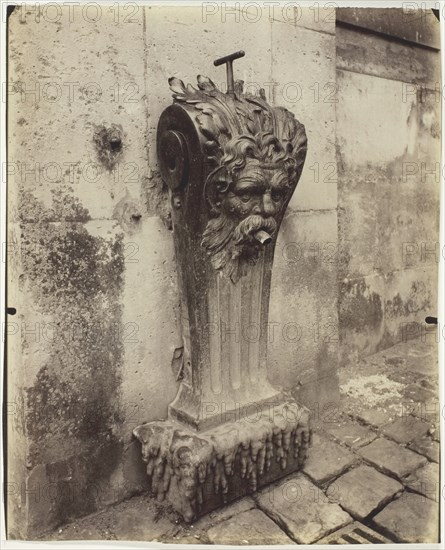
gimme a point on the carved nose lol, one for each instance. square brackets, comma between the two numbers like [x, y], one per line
[268, 205]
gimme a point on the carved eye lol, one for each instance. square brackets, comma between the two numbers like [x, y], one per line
[245, 197]
[277, 195]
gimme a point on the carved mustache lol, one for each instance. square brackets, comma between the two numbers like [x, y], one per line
[261, 228]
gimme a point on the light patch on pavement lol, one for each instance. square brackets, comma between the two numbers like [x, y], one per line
[373, 390]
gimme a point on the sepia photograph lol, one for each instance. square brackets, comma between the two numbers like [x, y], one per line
[222, 274]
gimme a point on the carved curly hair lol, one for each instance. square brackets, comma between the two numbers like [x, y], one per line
[264, 147]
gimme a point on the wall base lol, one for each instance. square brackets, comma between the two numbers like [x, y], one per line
[200, 471]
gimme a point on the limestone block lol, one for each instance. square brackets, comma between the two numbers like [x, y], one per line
[361, 490]
[385, 58]
[425, 480]
[150, 325]
[412, 518]
[251, 527]
[303, 509]
[391, 457]
[350, 433]
[312, 97]
[327, 460]
[303, 322]
[72, 84]
[411, 23]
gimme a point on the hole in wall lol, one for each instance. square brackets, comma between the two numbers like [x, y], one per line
[431, 320]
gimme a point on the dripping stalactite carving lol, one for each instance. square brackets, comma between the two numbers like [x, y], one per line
[233, 459]
[232, 163]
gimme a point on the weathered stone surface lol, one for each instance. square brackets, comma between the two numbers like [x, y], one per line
[406, 428]
[318, 191]
[417, 355]
[138, 518]
[413, 23]
[410, 293]
[425, 480]
[427, 447]
[362, 490]
[199, 471]
[375, 417]
[388, 381]
[326, 459]
[305, 257]
[251, 527]
[304, 352]
[302, 509]
[227, 512]
[385, 58]
[197, 532]
[382, 287]
[86, 263]
[391, 457]
[411, 518]
[428, 410]
[422, 400]
[352, 434]
[142, 519]
[322, 19]
[361, 305]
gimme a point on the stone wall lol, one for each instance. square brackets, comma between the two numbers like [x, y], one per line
[90, 261]
[93, 283]
[388, 154]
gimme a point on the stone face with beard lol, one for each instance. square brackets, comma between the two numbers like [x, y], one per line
[251, 203]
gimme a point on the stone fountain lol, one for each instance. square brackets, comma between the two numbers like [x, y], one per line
[232, 163]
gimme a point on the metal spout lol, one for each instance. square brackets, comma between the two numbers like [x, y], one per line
[262, 236]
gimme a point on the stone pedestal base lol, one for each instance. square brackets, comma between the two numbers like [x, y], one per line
[200, 471]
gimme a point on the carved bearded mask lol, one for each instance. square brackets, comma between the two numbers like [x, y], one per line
[258, 152]
[255, 198]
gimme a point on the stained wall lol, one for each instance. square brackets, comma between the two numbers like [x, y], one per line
[388, 154]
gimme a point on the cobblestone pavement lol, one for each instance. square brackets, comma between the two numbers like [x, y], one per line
[372, 475]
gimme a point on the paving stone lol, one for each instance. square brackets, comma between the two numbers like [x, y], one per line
[375, 417]
[406, 428]
[425, 480]
[232, 509]
[251, 527]
[362, 490]
[302, 509]
[136, 519]
[136, 522]
[352, 434]
[427, 447]
[391, 457]
[411, 518]
[419, 395]
[427, 410]
[326, 459]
